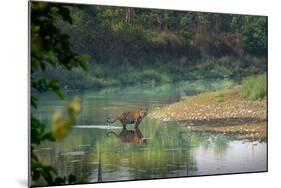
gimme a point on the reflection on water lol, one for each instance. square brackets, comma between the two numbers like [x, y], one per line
[95, 152]
[239, 156]
[129, 136]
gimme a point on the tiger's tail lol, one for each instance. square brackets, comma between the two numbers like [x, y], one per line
[108, 121]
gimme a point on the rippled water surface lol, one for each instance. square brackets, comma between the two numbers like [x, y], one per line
[97, 152]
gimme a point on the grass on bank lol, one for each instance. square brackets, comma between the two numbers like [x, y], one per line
[254, 87]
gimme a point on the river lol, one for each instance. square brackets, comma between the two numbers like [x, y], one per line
[155, 150]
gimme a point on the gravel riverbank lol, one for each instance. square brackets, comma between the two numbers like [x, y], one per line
[223, 111]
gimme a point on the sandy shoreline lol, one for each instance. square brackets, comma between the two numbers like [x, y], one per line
[223, 111]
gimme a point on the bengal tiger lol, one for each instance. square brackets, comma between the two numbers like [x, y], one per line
[134, 117]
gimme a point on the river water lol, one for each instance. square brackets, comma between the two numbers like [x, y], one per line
[96, 152]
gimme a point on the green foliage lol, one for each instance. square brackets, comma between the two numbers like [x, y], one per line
[254, 87]
[158, 72]
[151, 46]
[254, 35]
[48, 173]
[44, 85]
[154, 75]
[120, 35]
[50, 48]
[64, 120]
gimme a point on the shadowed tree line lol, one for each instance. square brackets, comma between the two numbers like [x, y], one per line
[130, 33]
[133, 45]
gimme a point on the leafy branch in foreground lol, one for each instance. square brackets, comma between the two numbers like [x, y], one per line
[51, 47]
[63, 121]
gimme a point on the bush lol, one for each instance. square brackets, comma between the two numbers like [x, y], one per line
[151, 75]
[254, 87]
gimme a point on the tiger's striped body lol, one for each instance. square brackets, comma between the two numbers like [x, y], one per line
[130, 118]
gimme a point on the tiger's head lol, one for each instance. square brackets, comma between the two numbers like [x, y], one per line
[143, 113]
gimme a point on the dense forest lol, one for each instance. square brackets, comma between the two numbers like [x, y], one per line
[133, 45]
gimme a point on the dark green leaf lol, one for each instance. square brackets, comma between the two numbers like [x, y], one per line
[48, 136]
[83, 65]
[65, 13]
[72, 179]
[59, 180]
[34, 101]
